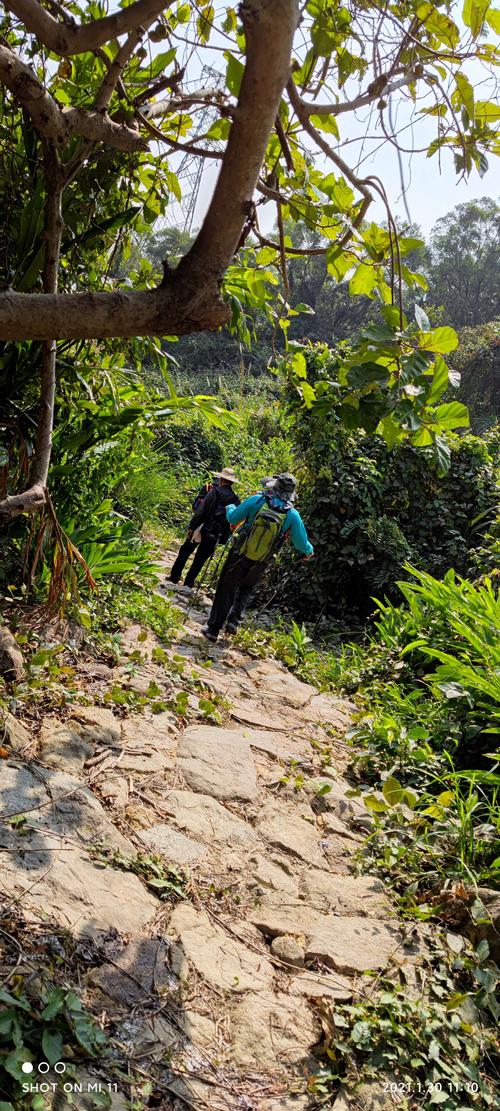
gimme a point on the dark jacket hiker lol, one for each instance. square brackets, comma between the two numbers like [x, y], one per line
[266, 518]
[208, 526]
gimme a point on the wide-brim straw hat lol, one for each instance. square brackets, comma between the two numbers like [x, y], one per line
[227, 473]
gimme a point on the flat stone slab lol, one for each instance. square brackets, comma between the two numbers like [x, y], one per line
[144, 763]
[276, 683]
[62, 815]
[345, 895]
[81, 895]
[97, 724]
[353, 944]
[291, 828]
[168, 842]
[314, 985]
[54, 804]
[62, 747]
[224, 962]
[271, 1030]
[327, 710]
[331, 793]
[216, 762]
[269, 875]
[277, 914]
[246, 710]
[207, 819]
[137, 973]
[151, 730]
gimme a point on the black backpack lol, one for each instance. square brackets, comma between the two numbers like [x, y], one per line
[202, 493]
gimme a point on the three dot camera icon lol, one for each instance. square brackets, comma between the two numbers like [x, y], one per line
[35, 1082]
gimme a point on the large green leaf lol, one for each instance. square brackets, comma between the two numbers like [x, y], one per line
[441, 340]
[452, 415]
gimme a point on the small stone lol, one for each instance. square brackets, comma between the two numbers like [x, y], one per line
[115, 789]
[62, 748]
[13, 733]
[217, 763]
[11, 660]
[175, 846]
[96, 724]
[288, 950]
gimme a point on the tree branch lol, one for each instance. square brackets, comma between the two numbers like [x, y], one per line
[101, 129]
[116, 67]
[180, 102]
[359, 183]
[66, 39]
[56, 124]
[191, 148]
[381, 87]
[304, 251]
[269, 29]
[35, 497]
[29, 92]
[189, 298]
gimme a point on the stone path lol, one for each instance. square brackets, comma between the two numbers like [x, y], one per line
[220, 990]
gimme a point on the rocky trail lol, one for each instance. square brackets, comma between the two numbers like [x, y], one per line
[217, 995]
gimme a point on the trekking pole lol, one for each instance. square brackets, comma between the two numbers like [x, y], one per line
[217, 566]
[196, 593]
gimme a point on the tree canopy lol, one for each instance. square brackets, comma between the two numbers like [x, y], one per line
[97, 108]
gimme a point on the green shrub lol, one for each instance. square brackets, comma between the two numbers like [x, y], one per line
[370, 509]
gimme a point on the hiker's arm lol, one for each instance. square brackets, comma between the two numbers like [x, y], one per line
[237, 513]
[300, 539]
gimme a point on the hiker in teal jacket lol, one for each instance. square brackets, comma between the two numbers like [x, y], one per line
[240, 573]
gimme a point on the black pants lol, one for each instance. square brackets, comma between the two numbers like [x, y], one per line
[238, 578]
[204, 551]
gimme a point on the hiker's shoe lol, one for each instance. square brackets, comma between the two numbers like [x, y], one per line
[208, 635]
[231, 628]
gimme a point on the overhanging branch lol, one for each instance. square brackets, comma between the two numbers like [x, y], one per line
[56, 124]
[189, 299]
[66, 39]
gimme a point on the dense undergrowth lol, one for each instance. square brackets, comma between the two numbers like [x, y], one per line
[426, 767]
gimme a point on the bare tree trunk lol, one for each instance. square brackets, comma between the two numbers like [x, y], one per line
[34, 497]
